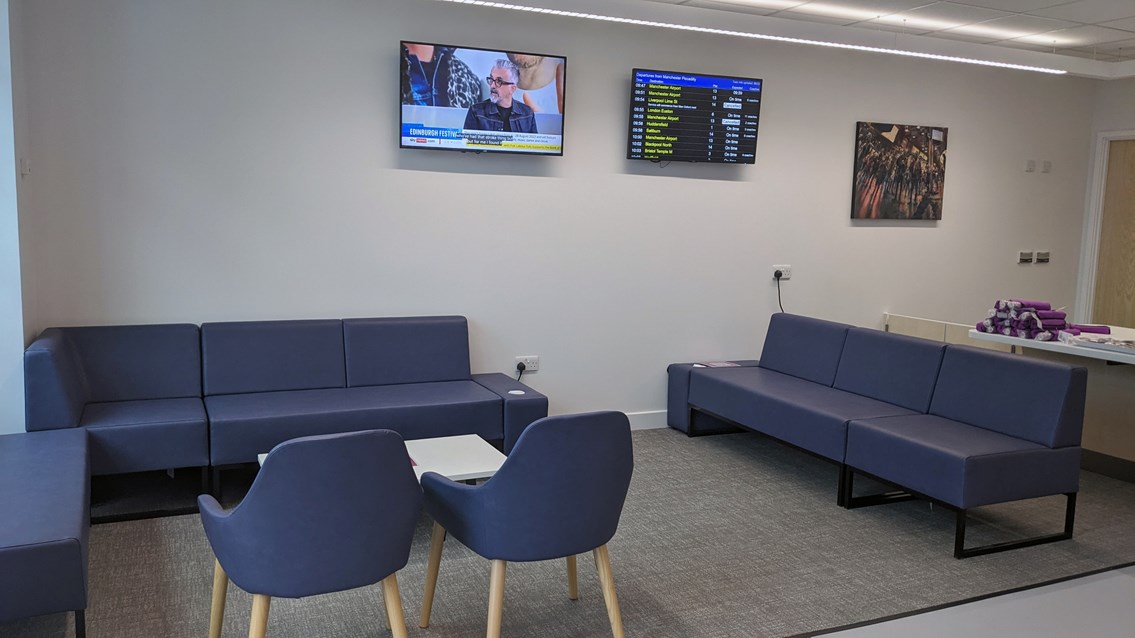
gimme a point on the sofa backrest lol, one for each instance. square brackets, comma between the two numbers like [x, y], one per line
[804, 347]
[132, 363]
[894, 368]
[55, 387]
[269, 356]
[392, 350]
[1032, 399]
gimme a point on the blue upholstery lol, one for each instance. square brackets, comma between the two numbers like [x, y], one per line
[244, 425]
[1031, 399]
[519, 409]
[137, 387]
[270, 356]
[803, 413]
[804, 347]
[959, 464]
[558, 494]
[893, 368]
[394, 350]
[44, 506]
[55, 387]
[678, 393]
[325, 514]
[137, 436]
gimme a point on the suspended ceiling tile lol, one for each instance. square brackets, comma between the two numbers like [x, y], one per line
[944, 15]
[1090, 11]
[1016, 26]
[1013, 6]
[729, 6]
[1126, 24]
[1078, 37]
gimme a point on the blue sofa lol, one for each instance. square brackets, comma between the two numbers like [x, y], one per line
[269, 381]
[45, 499]
[961, 426]
[175, 395]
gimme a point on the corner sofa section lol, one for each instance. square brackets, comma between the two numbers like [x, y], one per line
[136, 390]
[961, 426]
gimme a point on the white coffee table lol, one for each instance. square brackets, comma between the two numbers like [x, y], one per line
[458, 458]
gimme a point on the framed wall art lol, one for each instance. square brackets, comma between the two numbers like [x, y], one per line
[900, 171]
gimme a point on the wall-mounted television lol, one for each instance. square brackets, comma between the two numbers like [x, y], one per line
[484, 100]
[690, 117]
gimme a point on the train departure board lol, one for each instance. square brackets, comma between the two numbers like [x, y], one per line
[687, 117]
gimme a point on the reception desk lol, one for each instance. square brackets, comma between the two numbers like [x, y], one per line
[1109, 416]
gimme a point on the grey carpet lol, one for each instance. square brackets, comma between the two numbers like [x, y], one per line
[721, 536]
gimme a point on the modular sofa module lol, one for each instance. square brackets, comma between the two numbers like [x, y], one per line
[45, 499]
[136, 390]
[943, 422]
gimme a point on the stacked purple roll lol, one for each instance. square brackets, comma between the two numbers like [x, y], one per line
[1031, 319]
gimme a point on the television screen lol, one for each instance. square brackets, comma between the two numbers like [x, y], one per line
[689, 117]
[470, 99]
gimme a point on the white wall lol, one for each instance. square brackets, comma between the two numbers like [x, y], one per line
[1115, 106]
[213, 160]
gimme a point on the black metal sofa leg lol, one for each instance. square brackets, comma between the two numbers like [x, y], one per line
[80, 623]
[960, 534]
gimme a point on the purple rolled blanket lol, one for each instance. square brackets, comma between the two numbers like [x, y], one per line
[1051, 314]
[1029, 303]
[1101, 330]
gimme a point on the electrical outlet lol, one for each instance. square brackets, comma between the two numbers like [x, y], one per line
[1042, 257]
[1025, 257]
[785, 271]
[531, 362]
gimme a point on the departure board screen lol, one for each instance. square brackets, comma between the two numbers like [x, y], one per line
[685, 117]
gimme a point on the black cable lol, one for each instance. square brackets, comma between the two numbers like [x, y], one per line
[777, 275]
[520, 368]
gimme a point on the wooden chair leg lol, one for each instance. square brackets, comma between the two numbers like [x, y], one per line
[393, 597]
[258, 627]
[573, 582]
[432, 567]
[607, 579]
[220, 589]
[496, 599]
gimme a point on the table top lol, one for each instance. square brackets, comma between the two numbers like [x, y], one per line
[458, 458]
[1118, 332]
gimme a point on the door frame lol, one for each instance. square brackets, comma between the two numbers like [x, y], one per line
[1093, 219]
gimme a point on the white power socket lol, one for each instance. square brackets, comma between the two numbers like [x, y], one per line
[531, 362]
[785, 271]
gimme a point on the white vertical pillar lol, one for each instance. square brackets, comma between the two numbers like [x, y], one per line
[11, 304]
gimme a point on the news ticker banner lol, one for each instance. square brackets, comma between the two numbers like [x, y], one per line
[471, 140]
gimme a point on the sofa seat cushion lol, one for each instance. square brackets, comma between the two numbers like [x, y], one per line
[244, 425]
[959, 464]
[803, 413]
[45, 505]
[139, 436]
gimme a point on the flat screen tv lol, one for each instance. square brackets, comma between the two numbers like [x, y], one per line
[482, 100]
[690, 117]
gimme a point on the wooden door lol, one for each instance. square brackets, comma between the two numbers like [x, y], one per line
[1114, 300]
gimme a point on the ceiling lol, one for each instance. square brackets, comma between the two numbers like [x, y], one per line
[1100, 30]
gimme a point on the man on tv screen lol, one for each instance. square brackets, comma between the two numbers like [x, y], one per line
[500, 112]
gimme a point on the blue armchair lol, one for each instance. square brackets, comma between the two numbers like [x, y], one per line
[559, 493]
[325, 514]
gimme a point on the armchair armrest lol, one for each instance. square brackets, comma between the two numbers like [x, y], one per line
[520, 410]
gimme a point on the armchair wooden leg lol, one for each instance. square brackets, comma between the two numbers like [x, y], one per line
[395, 621]
[436, 543]
[573, 582]
[220, 589]
[258, 627]
[496, 599]
[607, 579]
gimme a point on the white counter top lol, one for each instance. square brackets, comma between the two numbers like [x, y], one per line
[1059, 346]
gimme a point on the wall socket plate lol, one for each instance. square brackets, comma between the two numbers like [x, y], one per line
[1025, 257]
[531, 362]
[1042, 257]
[785, 271]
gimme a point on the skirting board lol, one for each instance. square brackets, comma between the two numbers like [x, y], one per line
[650, 420]
[1107, 465]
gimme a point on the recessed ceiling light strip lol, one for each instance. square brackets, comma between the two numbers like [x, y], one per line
[758, 36]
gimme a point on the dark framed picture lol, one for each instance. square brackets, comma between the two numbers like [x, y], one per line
[900, 170]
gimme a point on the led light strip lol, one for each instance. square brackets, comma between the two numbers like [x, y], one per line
[757, 36]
